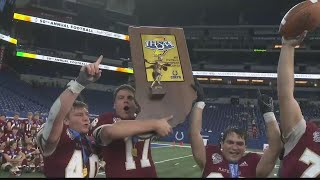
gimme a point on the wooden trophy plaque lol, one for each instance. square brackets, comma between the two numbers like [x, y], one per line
[162, 72]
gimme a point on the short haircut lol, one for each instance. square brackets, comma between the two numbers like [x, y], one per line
[122, 87]
[241, 132]
[16, 113]
[79, 104]
[30, 114]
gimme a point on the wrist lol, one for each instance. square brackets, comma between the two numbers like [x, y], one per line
[199, 105]
[269, 117]
[75, 87]
[286, 44]
[154, 124]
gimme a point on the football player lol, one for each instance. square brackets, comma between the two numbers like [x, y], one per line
[130, 156]
[229, 160]
[67, 150]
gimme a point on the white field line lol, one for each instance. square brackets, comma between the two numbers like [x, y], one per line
[172, 159]
[188, 146]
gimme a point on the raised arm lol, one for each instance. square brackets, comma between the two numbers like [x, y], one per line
[290, 112]
[48, 137]
[197, 146]
[271, 155]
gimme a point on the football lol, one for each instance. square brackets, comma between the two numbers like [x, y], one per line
[301, 17]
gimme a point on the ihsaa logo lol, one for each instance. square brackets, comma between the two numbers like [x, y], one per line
[161, 45]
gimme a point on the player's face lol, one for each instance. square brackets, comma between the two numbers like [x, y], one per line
[78, 120]
[36, 117]
[124, 104]
[30, 117]
[16, 117]
[233, 147]
[2, 118]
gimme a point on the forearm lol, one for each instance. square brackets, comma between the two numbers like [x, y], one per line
[285, 80]
[271, 155]
[196, 121]
[273, 136]
[126, 128]
[54, 125]
[197, 146]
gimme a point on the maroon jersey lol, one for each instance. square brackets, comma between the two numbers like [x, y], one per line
[3, 139]
[10, 137]
[30, 136]
[13, 154]
[67, 158]
[27, 125]
[37, 122]
[218, 167]
[13, 123]
[304, 159]
[128, 157]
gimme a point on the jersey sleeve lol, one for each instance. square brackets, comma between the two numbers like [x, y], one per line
[41, 141]
[294, 136]
[99, 123]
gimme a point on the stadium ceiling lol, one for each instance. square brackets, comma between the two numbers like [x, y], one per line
[91, 3]
[125, 7]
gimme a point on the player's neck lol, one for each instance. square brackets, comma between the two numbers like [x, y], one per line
[76, 133]
[121, 118]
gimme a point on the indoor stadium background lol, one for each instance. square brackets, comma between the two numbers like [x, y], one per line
[236, 41]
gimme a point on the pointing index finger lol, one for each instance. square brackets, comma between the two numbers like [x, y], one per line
[99, 60]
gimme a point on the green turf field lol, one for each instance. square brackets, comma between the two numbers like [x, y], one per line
[171, 161]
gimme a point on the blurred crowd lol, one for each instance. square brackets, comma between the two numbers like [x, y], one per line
[19, 151]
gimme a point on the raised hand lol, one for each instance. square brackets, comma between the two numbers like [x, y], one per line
[197, 87]
[294, 41]
[90, 73]
[265, 103]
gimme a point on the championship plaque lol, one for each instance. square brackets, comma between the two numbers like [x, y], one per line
[162, 72]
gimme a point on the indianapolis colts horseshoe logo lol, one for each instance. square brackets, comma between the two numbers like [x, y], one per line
[181, 138]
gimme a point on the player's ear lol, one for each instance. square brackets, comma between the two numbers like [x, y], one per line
[66, 121]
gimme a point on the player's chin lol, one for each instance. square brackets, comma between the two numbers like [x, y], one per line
[234, 158]
[85, 129]
[127, 116]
